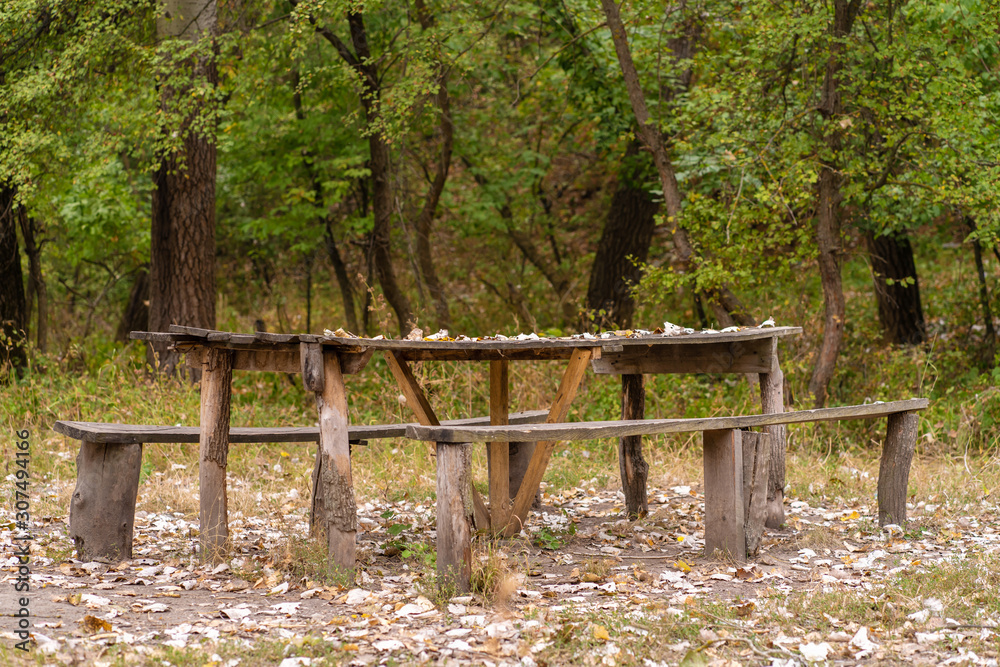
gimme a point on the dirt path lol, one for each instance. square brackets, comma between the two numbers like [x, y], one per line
[580, 561]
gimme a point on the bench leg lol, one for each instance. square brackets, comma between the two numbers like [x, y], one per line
[102, 511]
[216, 383]
[894, 470]
[724, 523]
[632, 466]
[756, 469]
[454, 516]
[772, 400]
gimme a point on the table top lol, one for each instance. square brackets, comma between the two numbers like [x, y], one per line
[191, 336]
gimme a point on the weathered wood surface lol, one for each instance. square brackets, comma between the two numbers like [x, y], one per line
[216, 382]
[724, 523]
[498, 452]
[311, 362]
[632, 466]
[568, 387]
[772, 400]
[756, 463]
[752, 356]
[102, 509]
[894, 469]
[277, 361]
[454, 513]
[125, 434]
[617, 429]
[334, 511]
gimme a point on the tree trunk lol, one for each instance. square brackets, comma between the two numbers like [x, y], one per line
[990, 339]
[12, 305]
[686, 259]
[623, 247]
[425, 259]
[380, 166]
[135, 317]
[37, 289]
[182, 255]
[828, 204]
[896, 288]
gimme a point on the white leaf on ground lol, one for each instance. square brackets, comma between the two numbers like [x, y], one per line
[94, 601]
[236, 613]
[389, 645]
[459, 645]
[934, 605]
[356, 596]
[920, 616]
[861, 641]
[295, 662]
[814, 652]
[280, 589]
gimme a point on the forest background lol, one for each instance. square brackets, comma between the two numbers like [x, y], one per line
[512, 166]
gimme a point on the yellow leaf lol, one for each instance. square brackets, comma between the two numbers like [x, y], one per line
[92, 624]
[682, 566]
[601, 633]
[285, 454]
[350, 647]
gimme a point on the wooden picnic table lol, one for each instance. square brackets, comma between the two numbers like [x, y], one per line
[324, 360]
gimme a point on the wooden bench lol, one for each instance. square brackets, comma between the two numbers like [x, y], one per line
[102, 510]
[728, 509]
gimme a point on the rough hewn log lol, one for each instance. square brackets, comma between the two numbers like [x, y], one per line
[633, 467]
[724, 527]
[756, 464]
[216, 381]
[334, 511]
[102, 510]
[894, 470]
[498, 451]
[772, 400]
[454, 516]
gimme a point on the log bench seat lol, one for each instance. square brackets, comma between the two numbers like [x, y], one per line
[102, 510]
[736, 469]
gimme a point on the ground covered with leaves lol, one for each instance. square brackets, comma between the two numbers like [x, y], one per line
[581, 585]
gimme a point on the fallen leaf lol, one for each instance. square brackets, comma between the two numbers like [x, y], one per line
[601, 633]
[92, 624]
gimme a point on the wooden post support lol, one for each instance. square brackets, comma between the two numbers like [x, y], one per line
[633, 467]
[724, 527]
[454, 513]
[216, 386]
[894, 470]
[772, 400]
[334, 512]
[498, 452]
[102, 510]
[756, 466]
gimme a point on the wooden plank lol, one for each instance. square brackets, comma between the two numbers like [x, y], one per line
[311, 359]
[454, 507]
[724, 527]
[756, 461]
[160, 337]
[277, 361]
[751, 356]
[102, 509]
[894, 469]
[498, 451]
[772, 400]
[334, 511]
[125, 434]
[415, 398]
[616, 429]
[216, 382]
[417, 401]
[632, 466]
[191, 331]
[543, 450]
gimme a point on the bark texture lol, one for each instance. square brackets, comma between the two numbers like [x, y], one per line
[623, 247]
[896, 288]
[135, 317]
[829, 196]
[13, 309]
[182, 254]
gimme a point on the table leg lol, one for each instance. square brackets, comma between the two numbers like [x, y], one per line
[724, 511]
[454, 510]
[633, 467]
[335, 513]
[578, 363]
[772, 400]
[216, 389]
[894, 470]
[498, 453]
